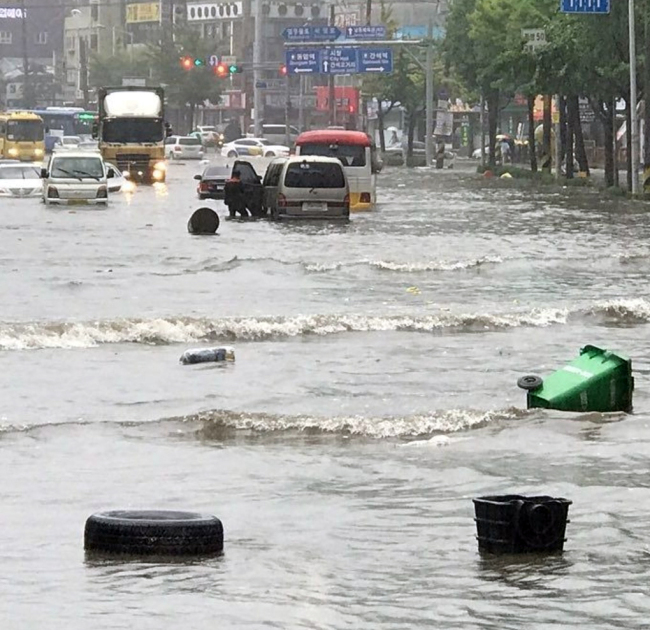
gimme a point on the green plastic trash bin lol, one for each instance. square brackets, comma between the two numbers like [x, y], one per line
[598, 380]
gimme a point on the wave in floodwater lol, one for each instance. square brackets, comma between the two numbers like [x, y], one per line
[221, 424]
[171, 330]
[407, 267]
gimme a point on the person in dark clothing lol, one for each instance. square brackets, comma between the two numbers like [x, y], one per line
[232, 131]
[234, 196]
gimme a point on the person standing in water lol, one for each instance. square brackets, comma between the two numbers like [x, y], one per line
[235, 197]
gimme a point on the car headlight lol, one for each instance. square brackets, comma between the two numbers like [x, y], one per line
[160, 166]
[158, 174]
[38, 151]
[13, 151]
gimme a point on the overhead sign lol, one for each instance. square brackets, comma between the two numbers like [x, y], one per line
[535, 39]
[366, 32]
[143, 12]
[584, 6]
[229, 60]
[311, 33]
[339, 60]
[375, 60]
[12, 13]
[303, 61]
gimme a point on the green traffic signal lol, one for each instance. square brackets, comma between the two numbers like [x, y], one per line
[198, 62]
[234, 68]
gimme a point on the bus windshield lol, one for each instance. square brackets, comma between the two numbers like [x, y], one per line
[25, 130]
[136, 130]
[348, 154]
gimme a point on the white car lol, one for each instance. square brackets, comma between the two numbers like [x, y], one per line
[183, 147]
[116, 180]
[69, 143]
[75, 177]
[254, 146]
[20, 180]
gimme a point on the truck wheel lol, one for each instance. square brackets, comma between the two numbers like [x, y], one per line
[154, 532]
[531, 382]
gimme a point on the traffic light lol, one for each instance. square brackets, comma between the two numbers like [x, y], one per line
[198, 62]
[187, 63]
[221, 70]
[233, 68]
[283, 70]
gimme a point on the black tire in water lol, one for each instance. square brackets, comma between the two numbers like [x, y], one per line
[153, 533]
[203, 221]
[530, 382]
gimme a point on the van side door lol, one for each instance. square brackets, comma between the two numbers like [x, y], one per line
[253, 189]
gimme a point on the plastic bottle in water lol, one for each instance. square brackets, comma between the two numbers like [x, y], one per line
[206, 355]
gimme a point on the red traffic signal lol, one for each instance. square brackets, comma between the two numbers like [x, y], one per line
[221, 70]
[283, 70]
[187, 63]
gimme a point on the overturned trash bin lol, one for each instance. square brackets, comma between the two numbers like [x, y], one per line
[517, 524]
[598, 380]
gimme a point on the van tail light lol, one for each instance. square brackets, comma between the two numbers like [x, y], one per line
[204, 186]
[364, 198]
[346, 201]
[282, 201]
[177, 148]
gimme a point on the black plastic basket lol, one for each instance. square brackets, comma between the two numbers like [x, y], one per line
[517, 524]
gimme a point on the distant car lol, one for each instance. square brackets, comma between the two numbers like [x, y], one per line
[254, 146]
[20, 180]
[116, 180]
[68, 143]
[276, 134]
[210, 135]
[89, 145]
[184, 147]
[212, 182]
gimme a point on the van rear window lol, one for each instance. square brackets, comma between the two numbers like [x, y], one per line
[314, 175]
[189, 141]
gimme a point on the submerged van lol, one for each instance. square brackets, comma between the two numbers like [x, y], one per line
[76, 178]
[306, 187]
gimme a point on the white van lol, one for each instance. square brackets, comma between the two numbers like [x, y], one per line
[306, 187]
[76, 177]
[276, 134]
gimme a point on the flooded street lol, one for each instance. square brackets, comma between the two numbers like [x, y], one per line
[372, 397]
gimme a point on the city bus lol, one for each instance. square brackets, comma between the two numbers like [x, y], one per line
[21, 136]
[65, 121]
[357, 154]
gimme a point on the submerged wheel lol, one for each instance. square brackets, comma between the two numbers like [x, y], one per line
[269, 154]
[154, 532]
[530, 382]
[232, 154]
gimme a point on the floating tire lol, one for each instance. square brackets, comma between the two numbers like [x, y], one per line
[530, 382]
[153, 533]
[203, 221]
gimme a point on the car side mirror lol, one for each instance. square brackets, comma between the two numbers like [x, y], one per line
[197, 177]
[44, 173]
[110, 174]
[95, 131]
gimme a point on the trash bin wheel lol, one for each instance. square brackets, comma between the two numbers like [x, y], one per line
[530, 382]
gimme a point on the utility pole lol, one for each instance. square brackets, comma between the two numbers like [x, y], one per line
[646, 97]
[287, 112]
[558, 139]
[257, 69]
[301, 104]
[634, 122]
[368, 12]
[482, 123]
[27, 86]
[331, 92]
[428, 139]
[83, 71]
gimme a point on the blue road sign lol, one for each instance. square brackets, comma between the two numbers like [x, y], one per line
[584, 6]
[366, 32]
[375, 60]
[311, 33]
[339, 60]
[303, 61]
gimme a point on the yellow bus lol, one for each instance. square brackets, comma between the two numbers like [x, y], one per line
[22, 136]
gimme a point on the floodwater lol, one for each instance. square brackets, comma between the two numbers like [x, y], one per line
[372, 397]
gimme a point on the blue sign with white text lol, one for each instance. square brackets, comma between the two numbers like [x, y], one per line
[311, 33]
[303, 61]
[339, 60]
[366, 32]
[375, 60]
[584, 6]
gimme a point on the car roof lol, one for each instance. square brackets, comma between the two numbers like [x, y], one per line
[299, 159]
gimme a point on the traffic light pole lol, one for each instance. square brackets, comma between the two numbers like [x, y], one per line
[257, 74]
